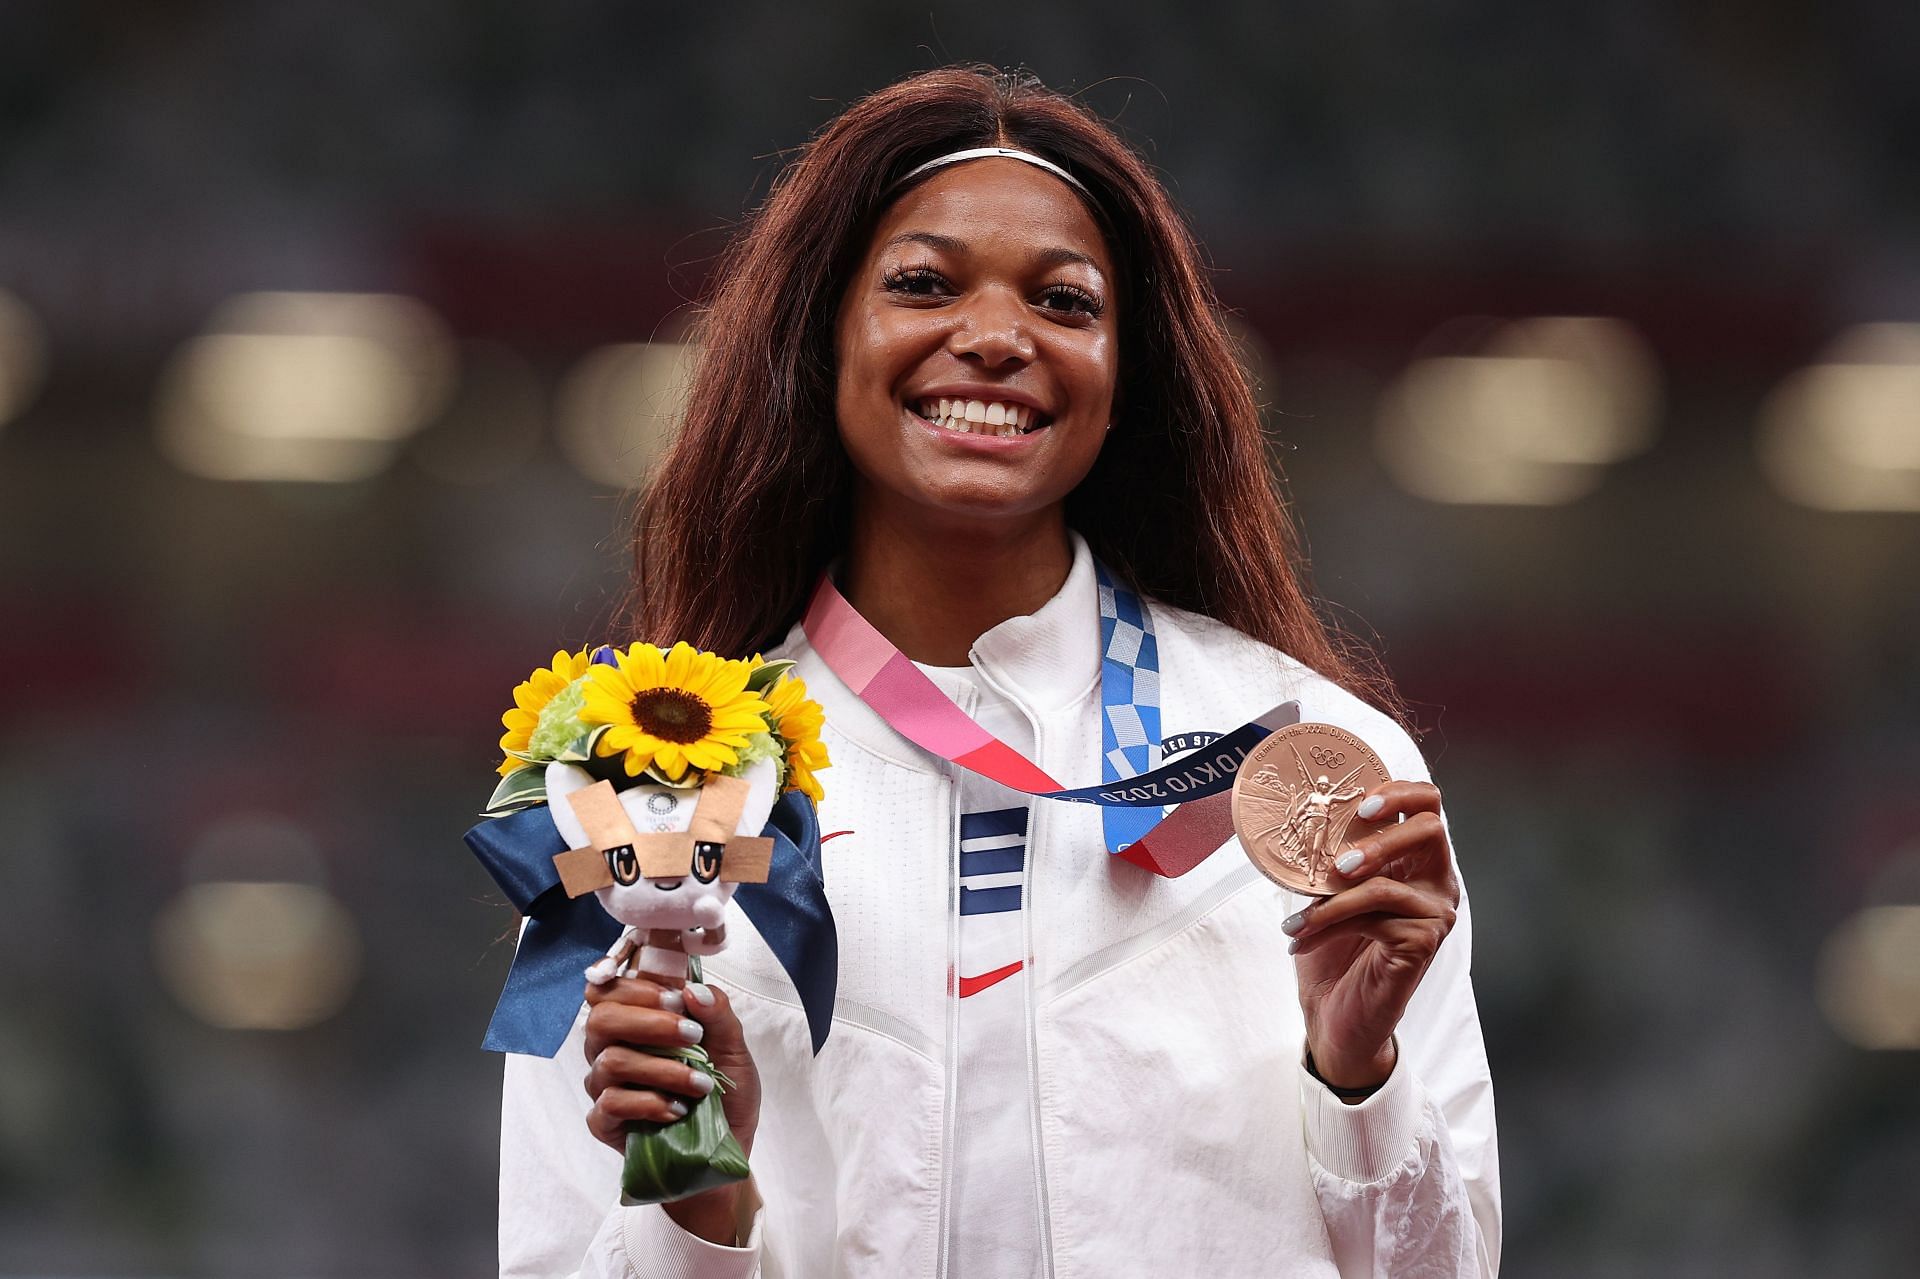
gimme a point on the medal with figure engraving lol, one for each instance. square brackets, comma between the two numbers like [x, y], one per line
[1294, 799]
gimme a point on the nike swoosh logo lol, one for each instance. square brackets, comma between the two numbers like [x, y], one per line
[974, 985]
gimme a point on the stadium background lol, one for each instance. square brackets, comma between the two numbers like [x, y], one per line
[329, 335]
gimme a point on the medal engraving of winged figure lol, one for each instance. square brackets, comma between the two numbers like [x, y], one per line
[1302, 817]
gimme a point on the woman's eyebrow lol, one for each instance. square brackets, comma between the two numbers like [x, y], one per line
[1067, 257]
[1061, 256]
[939, 243]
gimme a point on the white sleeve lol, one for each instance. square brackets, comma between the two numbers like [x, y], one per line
[1408, 1180]
[560, 1212]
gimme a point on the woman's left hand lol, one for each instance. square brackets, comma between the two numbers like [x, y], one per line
[1361, 953]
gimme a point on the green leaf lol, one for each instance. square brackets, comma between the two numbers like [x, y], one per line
[765, 677]
[698, 1152]
[522, 788]
[580, 749]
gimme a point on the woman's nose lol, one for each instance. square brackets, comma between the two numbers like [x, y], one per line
[992, 328]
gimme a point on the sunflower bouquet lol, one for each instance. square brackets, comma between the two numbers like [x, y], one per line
[672, 717]
[659, 770]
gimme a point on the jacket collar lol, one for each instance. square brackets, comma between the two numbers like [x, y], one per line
[1049, 658]
[1046, 660]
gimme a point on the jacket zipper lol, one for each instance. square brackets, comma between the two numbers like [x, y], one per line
[1036, 824]
[950, 1086]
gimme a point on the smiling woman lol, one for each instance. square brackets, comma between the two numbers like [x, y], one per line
[964, 367]
[978, 360]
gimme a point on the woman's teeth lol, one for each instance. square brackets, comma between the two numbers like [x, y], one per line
[981, 417]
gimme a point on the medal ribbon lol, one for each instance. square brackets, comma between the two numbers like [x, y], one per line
[1135, 781]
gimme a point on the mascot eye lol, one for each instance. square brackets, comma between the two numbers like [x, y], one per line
[706, 861]
[624, 865]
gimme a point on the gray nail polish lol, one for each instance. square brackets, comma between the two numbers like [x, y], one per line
[1371, 806]
[691, 1031]
[671, 1001]
[700, 1081]
[1350, 862]
[1294, 923]
[678, 1109]
[699, 994]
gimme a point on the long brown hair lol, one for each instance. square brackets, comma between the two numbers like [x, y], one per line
[753, 497]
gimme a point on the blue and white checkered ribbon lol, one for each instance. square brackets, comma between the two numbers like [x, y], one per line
[1129, 703]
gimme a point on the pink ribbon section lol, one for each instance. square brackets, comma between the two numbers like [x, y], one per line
[887, 680]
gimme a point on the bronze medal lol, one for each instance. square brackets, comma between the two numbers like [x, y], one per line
[1293, 801]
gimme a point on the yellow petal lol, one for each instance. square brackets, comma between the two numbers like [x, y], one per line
[674, 669]
[607, 699]
[644, 666]
[709, 755]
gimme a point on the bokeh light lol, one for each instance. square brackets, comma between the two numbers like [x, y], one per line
[619, 406]
[1870, 978]
[23, 356]
[1609, 388]
[1533, 419]
[1844, 433]
[257, 955]
[312, 387]
[255, 942]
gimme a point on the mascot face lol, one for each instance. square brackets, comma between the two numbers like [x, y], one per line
[693, 898]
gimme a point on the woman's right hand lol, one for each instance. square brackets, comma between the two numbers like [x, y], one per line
[630, 1014]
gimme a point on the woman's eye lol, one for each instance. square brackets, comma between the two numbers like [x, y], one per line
[1067, 299]
[918, 281]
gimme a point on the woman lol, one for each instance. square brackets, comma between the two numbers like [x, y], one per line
[965, 352]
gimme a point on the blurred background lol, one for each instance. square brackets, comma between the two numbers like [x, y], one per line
[330, 336]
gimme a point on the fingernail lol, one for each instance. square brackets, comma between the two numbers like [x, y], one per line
[1370, 807]
[678, 1109]
[700, 1081]
[671, 1001]
[1293, 946]
[1294, 923]
[699, 994]
[690, 1031]
[1350, 861]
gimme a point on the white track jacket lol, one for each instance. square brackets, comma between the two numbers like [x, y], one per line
[1176, 1130]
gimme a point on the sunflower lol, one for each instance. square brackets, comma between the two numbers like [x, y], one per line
[798, 718]
[672, 711]
[530, 698]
